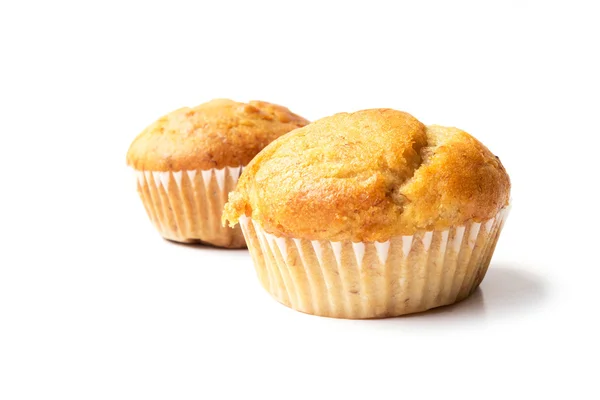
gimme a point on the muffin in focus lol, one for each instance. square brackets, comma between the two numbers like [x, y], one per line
[371, 214]
[190, 159]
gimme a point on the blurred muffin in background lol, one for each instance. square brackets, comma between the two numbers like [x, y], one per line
[188, 161]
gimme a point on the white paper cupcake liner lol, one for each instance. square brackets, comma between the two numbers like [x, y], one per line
[186, 206]
[403, 275]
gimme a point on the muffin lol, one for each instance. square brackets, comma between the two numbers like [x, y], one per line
[189, 160]
[371, 214]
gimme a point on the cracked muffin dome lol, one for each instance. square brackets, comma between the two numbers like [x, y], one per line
[368, 176]
[216, 134]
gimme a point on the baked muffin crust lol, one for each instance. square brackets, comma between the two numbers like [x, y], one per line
[217, 134]
[368, 176]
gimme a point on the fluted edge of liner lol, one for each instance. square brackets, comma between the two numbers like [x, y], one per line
[186, 206]
[403, 275]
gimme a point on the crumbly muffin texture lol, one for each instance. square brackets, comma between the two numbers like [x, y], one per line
[216, 134]
[368, 176]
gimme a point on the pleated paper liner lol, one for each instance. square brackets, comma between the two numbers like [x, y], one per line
[403, 275]
[186, 206]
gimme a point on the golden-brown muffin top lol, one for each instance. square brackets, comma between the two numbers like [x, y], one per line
[368, 176]
[217, 134]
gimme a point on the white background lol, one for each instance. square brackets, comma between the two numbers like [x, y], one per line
[95, 305]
